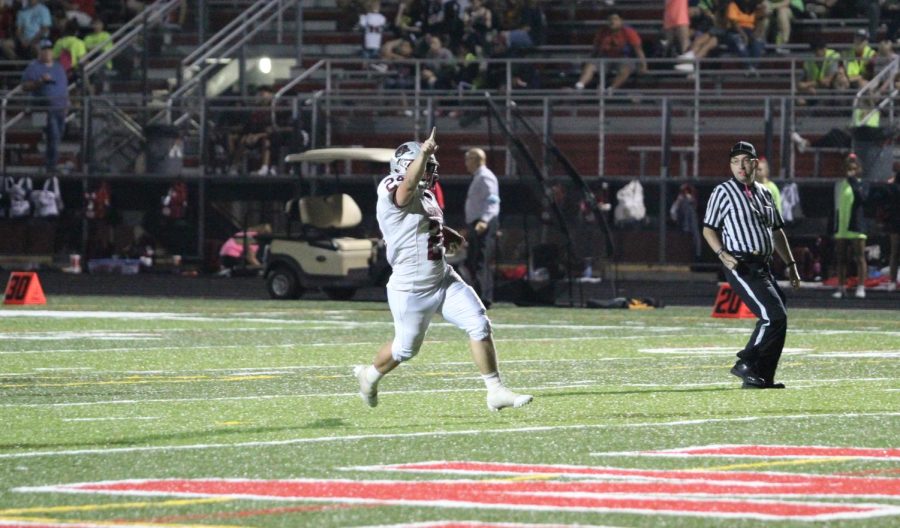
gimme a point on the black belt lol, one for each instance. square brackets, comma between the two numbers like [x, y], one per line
[751, 258]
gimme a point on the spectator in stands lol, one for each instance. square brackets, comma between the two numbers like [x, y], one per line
[858, 62]
[399, 49]
[676, 24]
[890, 13]
[409, 18]
[46, 79]
[871, 10]
[820, 8]
[257, 133]
[528, 30]
[742, 18]
[884, 57]
[783, 11]
[819, 72]
[453, 28]
[372, 24]
[620, 42]
[469, 57]
[433, 16]
[440, 70]
[7, 30]
[704, 22]
[478, 22]
[69, 49]
[33, 25]
[523, 73]
[81, 11]
[99, 38]
[849, 227]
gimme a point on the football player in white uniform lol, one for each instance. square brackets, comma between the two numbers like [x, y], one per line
[422, 283]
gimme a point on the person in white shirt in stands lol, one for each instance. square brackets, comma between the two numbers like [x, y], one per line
[372, 25]
[422, 282]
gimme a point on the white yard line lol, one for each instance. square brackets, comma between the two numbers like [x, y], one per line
[266, 397]
[63, 369]
[155, 316]
[819, 331]
[861, 354]
[549, 387]
[286, 368]
[711, 350]
[467, 432]
[129, 349]
[335, 344]
[110, 418]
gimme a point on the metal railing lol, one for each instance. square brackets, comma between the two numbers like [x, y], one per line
[717, 84]
[90, 62]
[712, 78]
[226, 42]
[879, 93]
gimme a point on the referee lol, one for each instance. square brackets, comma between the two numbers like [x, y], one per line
[743, 227]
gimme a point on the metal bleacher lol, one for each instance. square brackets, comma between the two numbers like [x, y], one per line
[197, 81]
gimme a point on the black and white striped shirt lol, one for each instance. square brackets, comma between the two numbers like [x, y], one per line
[744, 216]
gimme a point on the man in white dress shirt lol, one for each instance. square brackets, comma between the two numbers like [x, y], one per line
[483, 218]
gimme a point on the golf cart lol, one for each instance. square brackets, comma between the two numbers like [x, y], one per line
[321, 253]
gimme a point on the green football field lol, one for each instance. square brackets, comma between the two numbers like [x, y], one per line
[120, 411]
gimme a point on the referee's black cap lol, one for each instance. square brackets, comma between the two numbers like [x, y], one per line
[743, 147]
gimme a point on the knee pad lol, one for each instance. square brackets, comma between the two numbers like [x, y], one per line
[479, 328]
[403, 353]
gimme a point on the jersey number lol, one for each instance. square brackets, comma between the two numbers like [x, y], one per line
[392, 183]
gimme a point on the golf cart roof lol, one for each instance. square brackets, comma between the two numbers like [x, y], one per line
[327, 155]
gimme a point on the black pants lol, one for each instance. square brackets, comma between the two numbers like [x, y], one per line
[480, 259]
[755, 284]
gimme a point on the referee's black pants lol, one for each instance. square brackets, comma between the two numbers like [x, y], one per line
[480, 257]
[757, 287]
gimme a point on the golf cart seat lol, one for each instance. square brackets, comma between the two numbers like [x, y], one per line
[337, 211]
[324, 216]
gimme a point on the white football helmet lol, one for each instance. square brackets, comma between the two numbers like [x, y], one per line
[405, 154]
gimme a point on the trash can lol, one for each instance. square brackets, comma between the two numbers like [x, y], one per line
[164, 150]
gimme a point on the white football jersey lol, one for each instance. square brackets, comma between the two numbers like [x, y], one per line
[413, 236]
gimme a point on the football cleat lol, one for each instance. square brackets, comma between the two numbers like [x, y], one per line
[367, 391]
[503, 397]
